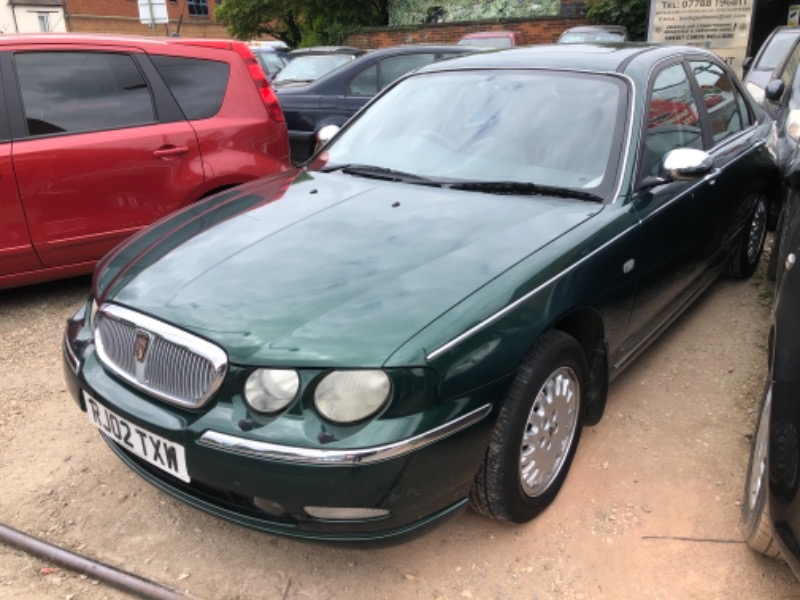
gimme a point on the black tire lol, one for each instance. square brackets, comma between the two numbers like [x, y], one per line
[546, 404]
[751, 241]
[755, 519]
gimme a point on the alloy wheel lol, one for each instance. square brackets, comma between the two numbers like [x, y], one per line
[549, 431]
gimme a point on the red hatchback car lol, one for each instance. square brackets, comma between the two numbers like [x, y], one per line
[101, 135]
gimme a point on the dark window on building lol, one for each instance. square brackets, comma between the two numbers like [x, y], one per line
[197, 8]
[71, 92]
[198, 85]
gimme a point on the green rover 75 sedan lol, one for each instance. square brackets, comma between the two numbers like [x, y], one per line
[426, 314]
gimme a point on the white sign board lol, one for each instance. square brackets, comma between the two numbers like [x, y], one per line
[722, 26]
[152, 12]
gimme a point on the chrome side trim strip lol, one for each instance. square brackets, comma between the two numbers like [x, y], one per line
[505, 310]
[334, 457]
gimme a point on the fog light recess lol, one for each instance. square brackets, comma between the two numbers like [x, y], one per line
[335, 513]
[269, 507]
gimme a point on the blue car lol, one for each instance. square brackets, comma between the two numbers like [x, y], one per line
[335, 97]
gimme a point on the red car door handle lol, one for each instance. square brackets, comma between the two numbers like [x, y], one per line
[170, 151]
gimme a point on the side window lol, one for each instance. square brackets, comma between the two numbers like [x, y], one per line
[198, 85]
[397, 66]
[672, 119]
[365, 83]
[722, 100]
[70, 92]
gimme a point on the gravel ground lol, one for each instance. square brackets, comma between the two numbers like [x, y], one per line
[650, 509]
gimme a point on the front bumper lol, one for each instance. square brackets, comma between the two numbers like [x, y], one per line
[239, 476]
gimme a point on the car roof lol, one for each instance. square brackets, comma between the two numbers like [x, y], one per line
[599, 57]
[326, 50]
[415, 48]
[583, 28]
[488, 34]
[14, 39]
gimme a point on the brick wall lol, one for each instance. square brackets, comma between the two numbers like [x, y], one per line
[122, 17]
[538, 31]
[541, 30]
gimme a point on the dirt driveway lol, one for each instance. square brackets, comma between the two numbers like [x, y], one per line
[650, 509]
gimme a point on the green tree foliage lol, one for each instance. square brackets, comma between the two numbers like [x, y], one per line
[301, 22]
[630, 13]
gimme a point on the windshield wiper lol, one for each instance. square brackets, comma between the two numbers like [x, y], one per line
[381, 173]
[520, 187]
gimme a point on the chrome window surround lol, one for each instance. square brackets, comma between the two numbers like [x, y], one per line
[182, 343]
[336, 457]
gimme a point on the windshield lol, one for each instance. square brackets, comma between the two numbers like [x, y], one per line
[550, 129]
[270, 62]
[311, 68]
[777, 49]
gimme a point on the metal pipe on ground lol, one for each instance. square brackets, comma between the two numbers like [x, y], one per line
[121, 580]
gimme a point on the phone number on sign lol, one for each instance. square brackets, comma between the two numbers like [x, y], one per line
[706, 3]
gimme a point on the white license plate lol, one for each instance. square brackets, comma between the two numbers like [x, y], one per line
[156, 450]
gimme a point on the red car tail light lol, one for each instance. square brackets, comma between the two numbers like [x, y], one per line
[264, 88]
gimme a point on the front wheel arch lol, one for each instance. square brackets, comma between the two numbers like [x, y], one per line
[536, 432]
[586, 326]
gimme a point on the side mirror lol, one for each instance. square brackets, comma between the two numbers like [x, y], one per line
[686, 164]
[325, 135]
[774, 90]
[680, 164]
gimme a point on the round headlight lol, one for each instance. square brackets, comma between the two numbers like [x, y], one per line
[271, 390]
[350, 396]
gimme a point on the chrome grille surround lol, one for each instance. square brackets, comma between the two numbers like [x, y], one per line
[175, 366]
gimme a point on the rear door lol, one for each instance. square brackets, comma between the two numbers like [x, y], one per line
[736, 148]
[100, 148]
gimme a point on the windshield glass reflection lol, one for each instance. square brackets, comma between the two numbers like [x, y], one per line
[555, 129]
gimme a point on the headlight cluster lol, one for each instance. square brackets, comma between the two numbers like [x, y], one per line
[342, 396]
[271, 390]
[348, 396]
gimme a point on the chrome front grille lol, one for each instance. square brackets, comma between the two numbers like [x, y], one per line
[160, 359]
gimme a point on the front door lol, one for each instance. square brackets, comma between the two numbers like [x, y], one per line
[93, 163]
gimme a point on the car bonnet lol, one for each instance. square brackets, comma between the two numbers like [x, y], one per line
[340, 270]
